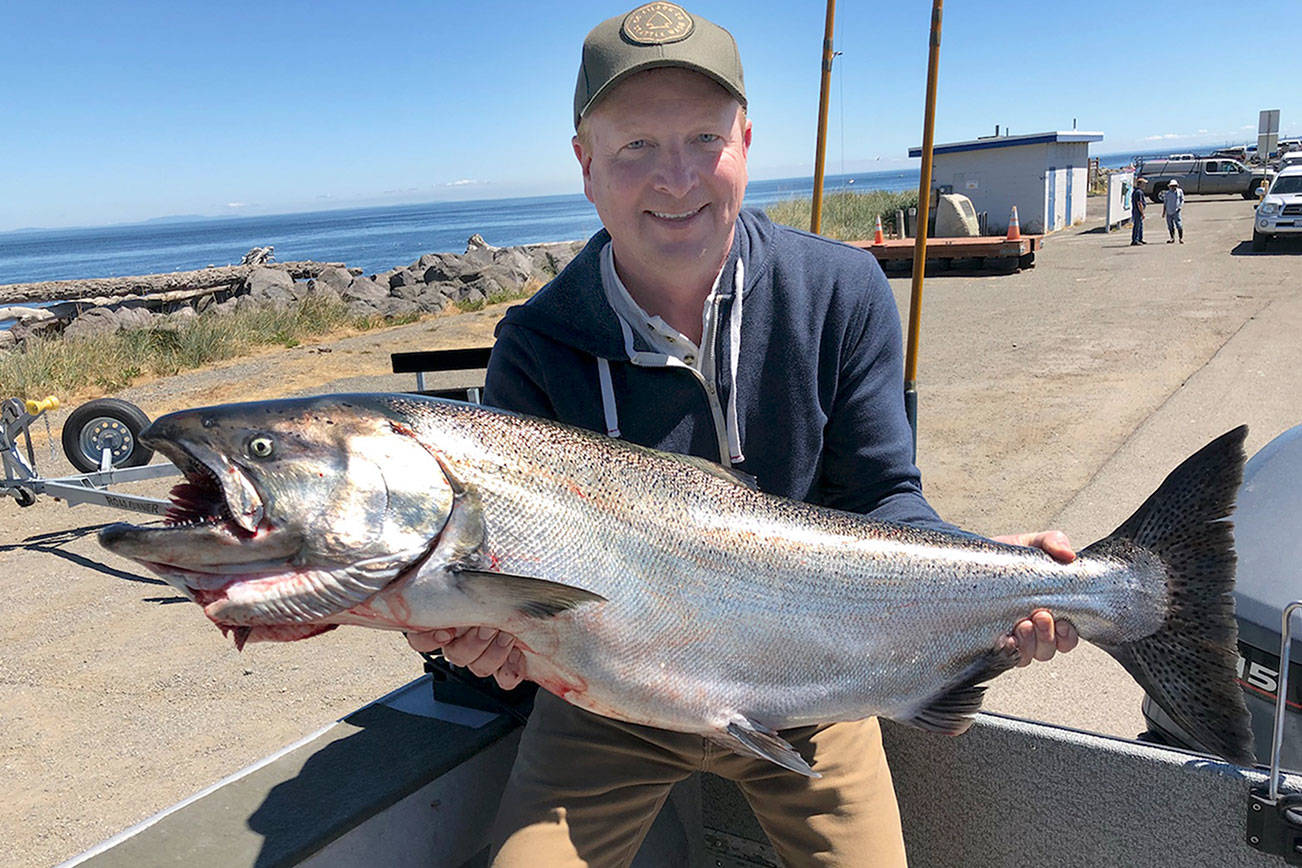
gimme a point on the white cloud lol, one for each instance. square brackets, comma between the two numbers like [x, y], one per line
[463, 182]
[237, 204]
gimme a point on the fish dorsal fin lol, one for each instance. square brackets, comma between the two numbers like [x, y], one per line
[950, 711]
[728, 474]
[744, 736]
[534, 598]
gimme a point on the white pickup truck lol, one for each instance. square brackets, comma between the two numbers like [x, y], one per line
[1280, 211]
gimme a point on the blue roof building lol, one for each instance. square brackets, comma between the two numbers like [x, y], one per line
[1046, 175]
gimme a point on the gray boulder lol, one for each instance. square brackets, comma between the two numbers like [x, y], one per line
[394, 307]
[440, 267]
[325, 295]
[93, 323]
[515, 264]
[270, 286]
[479, 251]
[224, 308]
[405, 277]
[7, 340]
[337, 279]
[432, 300]
[363, 289]
[410, 293]
[131, 318]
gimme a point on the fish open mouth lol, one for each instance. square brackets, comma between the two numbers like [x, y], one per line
[231, 558]
[255, 577]
[199, 501]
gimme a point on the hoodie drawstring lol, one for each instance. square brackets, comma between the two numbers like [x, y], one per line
[732, 431]
[607, 398]
[734, 355]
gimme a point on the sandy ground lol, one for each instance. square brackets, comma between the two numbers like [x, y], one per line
[1055, 397]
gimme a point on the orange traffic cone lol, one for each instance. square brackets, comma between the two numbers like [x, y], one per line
[878, 237]
[1014, 228]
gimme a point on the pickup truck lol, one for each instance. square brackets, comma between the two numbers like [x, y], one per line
[1280, 212]
[1202, 175]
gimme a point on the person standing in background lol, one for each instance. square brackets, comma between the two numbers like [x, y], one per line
[1137, 213]
[1172, 203]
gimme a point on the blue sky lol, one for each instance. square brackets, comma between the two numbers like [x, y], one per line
[115, 112]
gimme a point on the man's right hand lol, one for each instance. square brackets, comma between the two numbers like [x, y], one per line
[482, 650]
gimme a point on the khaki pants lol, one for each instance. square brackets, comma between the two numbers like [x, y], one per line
[585, 789]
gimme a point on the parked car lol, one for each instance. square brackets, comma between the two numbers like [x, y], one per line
[1204, 175]
[1239, 153]
[1292, 158]
[1280, 210]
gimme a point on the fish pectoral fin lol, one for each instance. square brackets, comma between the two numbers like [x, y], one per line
[950, 712]
[746, 737]
[535, 598]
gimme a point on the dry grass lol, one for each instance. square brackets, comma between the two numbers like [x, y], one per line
[846, 216]
[109, 363]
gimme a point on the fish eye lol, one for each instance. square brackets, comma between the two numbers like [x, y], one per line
[261, 446]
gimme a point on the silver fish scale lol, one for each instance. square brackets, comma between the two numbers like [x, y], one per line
[725, 599]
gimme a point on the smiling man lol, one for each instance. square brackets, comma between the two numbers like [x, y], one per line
[693, 326]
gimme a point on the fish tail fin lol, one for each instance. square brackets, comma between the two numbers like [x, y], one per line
[1188, 666]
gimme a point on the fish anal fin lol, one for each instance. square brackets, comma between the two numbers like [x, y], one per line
[951, 711]
[746, 737]
[533, 598]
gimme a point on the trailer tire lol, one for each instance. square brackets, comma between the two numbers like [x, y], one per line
[103, 422]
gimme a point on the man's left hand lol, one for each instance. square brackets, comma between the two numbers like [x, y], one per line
[1041, 636]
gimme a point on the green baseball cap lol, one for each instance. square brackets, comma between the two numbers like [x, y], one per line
[655, 35]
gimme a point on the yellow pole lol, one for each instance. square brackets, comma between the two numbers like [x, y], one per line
[920, 243]
[816, 209]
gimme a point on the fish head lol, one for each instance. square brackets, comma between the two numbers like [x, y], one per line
[290, 511]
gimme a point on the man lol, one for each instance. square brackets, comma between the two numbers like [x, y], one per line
[1172, 203]
[1137, 213]
[691, 326]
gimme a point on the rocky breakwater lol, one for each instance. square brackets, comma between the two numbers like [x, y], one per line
[429, 285]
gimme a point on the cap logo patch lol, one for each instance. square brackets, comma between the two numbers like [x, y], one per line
[657, 24]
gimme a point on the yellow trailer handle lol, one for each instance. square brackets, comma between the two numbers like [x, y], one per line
[35, 408]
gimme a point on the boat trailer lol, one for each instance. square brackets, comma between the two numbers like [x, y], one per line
[100, 438]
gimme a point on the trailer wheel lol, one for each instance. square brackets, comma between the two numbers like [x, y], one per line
[105, 423]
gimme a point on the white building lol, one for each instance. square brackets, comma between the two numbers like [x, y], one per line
[1046, 175]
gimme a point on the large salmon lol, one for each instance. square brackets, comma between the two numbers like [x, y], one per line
[664, 590]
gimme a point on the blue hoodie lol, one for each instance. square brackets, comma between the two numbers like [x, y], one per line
[817, 385]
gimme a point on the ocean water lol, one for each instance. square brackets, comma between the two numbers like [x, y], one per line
[373, 239]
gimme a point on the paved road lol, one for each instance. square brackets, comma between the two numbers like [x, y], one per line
[1055, 397]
